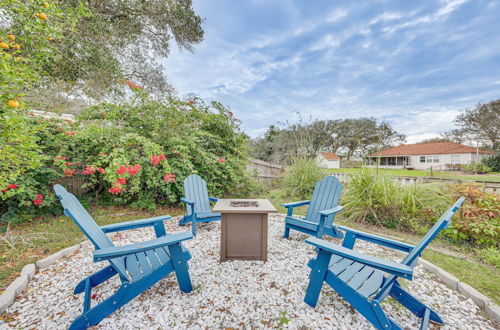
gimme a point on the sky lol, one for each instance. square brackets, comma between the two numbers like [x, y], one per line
[415, 64]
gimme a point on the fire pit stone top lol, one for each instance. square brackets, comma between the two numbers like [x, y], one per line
[244, 206]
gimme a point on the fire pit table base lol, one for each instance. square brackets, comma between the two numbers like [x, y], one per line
[244, 228]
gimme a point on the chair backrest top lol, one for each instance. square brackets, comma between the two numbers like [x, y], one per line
[195, 189]
[443, 222]
[326, 195]
[75, 210]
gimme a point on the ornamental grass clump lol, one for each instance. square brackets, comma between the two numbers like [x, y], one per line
[301, 177]
[375, 198]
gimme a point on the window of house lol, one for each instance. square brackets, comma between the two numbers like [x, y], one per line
[428, 159]
[422, 159]
[435, 159]
[455, 159]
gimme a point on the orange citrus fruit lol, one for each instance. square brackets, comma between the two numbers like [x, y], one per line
[49, 38]
[41, 16]
[11, 37]
[16, 46]
[45, 5]
[13, 104]
[4, 45]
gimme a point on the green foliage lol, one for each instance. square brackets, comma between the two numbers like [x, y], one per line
[135, 154]
[493, 162]
[301, 177]
[473, 167]
[377, 198]
[479, 221]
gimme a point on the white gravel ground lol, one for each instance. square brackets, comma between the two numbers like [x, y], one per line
[235, 294]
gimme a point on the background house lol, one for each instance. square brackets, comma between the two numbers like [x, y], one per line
[439, 155]
[328, 160]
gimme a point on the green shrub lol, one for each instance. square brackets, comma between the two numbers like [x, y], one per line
[378, 199]
[474, 167]
[479, 220]
[136, 154]
[301, 177]
[493, 162]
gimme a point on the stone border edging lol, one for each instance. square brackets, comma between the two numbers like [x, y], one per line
[28, 271]
[20, 283]
[484, 302]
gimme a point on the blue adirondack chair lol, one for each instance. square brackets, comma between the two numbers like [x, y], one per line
[197, 202]
[359, 278]
[321, 211]
[139, 265]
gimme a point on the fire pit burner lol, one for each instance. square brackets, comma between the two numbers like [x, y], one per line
[244, 204]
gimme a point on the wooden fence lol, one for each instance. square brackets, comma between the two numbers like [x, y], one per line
[264, 171]
[487, 186]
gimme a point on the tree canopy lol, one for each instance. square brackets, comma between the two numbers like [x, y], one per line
[480, 123]
[351, 137]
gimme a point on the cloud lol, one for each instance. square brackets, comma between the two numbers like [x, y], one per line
[414, 64]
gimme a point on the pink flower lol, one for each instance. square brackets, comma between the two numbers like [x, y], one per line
[38, 200]
[12, 186]
[122, 170]
[169, 178]
[162, 157]
[115, 189]
[155, 160]
[122, 180]
[89, 170]
[222, 160]
[230, 113]
[59, 157]
[70, 172]
[70, 133]
[101, 170]
[132, 170]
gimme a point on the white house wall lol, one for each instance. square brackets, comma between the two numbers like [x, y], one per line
[443, 160]
[328, 163]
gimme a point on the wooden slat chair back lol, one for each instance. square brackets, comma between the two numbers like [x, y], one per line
[139, 265]
[197, 202]
[75, 210]
[323, 206]
[360, 278]
[195, 190]
[326, 196]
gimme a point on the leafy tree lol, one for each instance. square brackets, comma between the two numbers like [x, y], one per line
[479, 124]
[351, 136]
[97, 45]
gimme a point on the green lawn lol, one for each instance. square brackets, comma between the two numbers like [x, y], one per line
[495, 176]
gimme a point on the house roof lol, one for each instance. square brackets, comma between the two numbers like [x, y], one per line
[432, 148]
[329, 156]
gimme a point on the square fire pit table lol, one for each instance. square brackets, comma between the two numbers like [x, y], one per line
[243, 228]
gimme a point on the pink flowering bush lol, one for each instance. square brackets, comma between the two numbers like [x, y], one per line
[133, 154]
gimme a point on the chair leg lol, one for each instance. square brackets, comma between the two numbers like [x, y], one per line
[316, 278]
[180, 268]
[95, 279]
[413, 304]
[287, 232]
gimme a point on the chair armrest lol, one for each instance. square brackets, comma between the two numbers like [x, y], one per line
[187, 201]
[352, 234]
[295, 204]
[328, 212]
[387, 266]
[121, 251]
[213, 199]
[134, 224]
